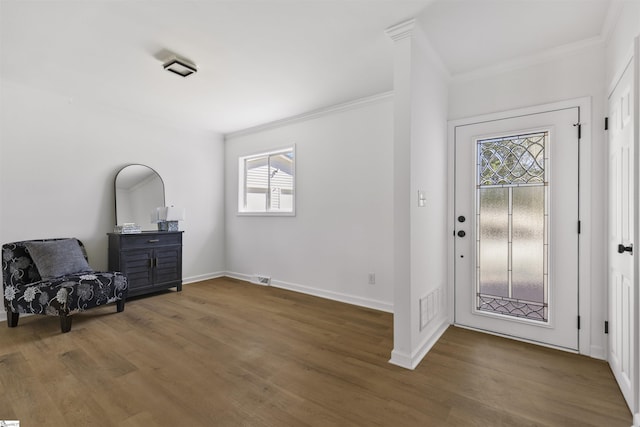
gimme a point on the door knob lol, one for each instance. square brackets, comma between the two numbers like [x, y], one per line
[622, 249]
[461, 233]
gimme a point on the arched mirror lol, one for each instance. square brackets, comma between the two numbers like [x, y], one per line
[139, 189]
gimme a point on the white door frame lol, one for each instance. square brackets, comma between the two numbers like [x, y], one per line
[584, 195]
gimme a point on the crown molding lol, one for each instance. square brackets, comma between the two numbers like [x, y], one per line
[311, 114]
[529, 60]
[613, 13]
[401, 30]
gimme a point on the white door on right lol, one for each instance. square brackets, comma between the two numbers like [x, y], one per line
[623, 176]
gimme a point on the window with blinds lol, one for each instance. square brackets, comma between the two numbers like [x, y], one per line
[266, 183]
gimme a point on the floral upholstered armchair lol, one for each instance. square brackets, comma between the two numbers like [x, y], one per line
[52, 277]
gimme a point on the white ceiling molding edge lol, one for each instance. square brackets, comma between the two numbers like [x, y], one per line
[613, 12]
[529, 60]
[311, 114]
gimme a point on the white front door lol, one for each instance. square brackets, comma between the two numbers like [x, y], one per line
[516, 226]
[623, 304]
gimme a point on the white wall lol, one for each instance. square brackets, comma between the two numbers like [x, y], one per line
[571, 76]
[342, 228]
[59, 158]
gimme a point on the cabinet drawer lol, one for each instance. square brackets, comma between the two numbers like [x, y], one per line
[150, 240]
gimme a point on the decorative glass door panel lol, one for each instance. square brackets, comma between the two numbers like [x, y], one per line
[511, 237]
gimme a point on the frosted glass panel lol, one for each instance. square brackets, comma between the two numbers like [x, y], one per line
[527, 251]
[493, 253]
[512, 247]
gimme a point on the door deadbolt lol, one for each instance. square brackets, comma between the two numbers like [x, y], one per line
[461, 233]
[461, 218]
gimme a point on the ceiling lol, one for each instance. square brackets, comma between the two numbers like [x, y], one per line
[262, 60]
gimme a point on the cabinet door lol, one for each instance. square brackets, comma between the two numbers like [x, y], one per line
[168, 266]
[137, 265]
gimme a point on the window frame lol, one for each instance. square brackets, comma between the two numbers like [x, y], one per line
[242, 179]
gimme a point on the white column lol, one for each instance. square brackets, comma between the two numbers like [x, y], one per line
[402, 309]
[420, 167]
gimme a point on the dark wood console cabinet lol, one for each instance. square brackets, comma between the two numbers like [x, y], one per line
[151, 260]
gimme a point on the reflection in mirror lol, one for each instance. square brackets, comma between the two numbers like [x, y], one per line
[139, 189]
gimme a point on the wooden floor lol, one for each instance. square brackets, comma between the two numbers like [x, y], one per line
[227, 353]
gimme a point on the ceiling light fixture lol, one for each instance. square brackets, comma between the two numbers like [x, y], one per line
[180, 67]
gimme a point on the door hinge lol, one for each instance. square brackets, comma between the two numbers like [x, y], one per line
[606, 326]
[579, 227]
[579, 126]
[606, 123]
[578, 322]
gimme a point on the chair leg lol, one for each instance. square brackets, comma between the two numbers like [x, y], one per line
[120, 305]
[12, 319]
[65, 323]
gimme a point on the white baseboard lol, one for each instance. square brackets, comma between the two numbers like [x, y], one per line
[410, 361]
[322, 293]
[401, 359]
[201, 277]
[430, 341]
[597, 352]
[240, 276]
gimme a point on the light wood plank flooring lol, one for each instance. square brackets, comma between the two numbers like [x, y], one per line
[228, 353]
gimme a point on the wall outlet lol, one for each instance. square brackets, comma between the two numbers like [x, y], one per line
[372, 278]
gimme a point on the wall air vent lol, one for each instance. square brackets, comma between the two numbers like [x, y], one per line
[261, 279]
